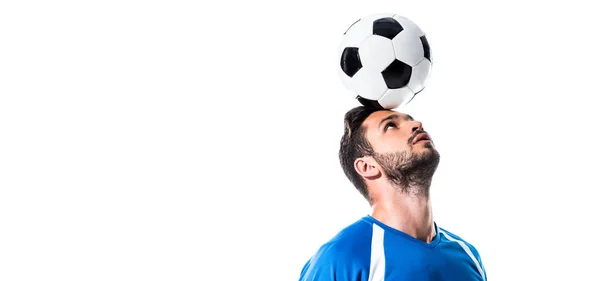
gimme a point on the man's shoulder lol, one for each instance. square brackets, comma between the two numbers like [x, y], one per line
[344, 256]
[349, 238]
[350, 243]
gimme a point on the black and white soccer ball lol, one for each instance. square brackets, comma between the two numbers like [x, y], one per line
[385, 60]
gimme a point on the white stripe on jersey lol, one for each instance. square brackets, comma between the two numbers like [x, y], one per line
[466, 248]
[377, 270]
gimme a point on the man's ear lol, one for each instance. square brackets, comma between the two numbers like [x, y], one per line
[366, 167]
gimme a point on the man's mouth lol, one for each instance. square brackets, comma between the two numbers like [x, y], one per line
[421, 137]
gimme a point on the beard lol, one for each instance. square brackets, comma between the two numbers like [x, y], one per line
[409, 171]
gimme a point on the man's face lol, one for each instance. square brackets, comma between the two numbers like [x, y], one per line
[391, 131]
[404, 150]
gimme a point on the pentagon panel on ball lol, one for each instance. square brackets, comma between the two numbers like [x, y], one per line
[385, 60]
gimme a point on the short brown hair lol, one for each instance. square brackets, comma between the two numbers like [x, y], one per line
[354, 144]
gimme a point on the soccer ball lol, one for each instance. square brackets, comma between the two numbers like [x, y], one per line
[385, 60]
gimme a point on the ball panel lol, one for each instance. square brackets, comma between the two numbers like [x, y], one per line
[346, 80]
[408, 25]
[386, 27]
[397, 74]
[376, 53]
[396, 97]
[426, 50]
[355, 34]
[369, 84]
[350, 27]
[350, 61]
[408, 48]
[420, 74]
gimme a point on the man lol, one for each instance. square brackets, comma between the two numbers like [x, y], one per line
[391, 160]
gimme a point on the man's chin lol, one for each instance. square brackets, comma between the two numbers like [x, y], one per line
[426, 147]
[428, 154]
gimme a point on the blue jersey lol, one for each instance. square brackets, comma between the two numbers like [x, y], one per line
[369, 250]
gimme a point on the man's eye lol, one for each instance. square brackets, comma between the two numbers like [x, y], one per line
[390, 125]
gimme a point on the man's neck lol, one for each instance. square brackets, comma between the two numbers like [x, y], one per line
[408, 213]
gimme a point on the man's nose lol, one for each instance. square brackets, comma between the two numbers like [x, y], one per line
[416, 125]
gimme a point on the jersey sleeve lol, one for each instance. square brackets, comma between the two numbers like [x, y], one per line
[330, 264]
[479, 261]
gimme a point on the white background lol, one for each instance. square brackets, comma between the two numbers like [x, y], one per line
[173, 140]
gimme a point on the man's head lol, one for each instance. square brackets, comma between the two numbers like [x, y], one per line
[385, 143]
